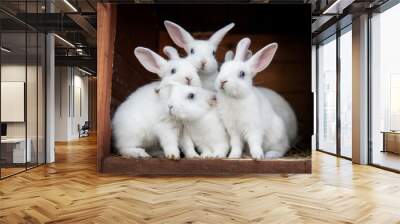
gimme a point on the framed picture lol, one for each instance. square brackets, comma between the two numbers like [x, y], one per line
[246, 105]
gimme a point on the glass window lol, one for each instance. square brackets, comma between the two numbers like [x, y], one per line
[22, 94]
[327, 96]
[31, 100]
[346, 93]
[385, 88]
[15, 150]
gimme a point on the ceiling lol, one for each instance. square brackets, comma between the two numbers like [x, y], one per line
[75, 21]
[72, 20]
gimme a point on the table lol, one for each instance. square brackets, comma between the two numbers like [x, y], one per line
[391, 141]
[13, 150]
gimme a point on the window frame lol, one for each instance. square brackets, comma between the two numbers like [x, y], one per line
[336, 36]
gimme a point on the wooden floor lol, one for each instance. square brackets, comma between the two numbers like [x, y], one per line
[71, 191]
[5, 172]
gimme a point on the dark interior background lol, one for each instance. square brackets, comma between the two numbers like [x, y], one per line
[289, 25]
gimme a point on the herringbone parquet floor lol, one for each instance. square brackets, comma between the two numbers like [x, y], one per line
[70, 191]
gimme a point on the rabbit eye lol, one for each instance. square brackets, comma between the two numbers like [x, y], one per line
[190, 96]
[213, 52]
[173, 71]
[192, 51]
[242, 74]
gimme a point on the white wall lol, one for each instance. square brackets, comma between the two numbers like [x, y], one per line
[34, 126]
[62, 81]
[9, 73]
[82, 82]
[17, 73]
[71, 102]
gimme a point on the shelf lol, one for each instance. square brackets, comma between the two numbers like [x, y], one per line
[158, 166]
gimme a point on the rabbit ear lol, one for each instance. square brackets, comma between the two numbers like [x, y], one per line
[228, 56]
[248, 54]
[263, 57]
[241, 49]
[217, 37]
[171, 52]
[150, 60]
[179, 35]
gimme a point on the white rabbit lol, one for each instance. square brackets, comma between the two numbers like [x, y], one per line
[279, 104]
[201, 53]
[142, 121]
[255, 115]
[202, 126]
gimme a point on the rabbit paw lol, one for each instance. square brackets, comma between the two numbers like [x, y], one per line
[219, 155]
[235, 154]
[257, 155]
[174, 156]
[135, 153]
[273, 154]
[207, 155]
[193, 155]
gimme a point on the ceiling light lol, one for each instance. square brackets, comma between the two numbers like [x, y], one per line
[79, 51]
[65, 41]
[84, 71]
[70, 5]
[5, 50]
[337, 7]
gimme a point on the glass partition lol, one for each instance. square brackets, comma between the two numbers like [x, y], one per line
[41, 97]
[31, 100]
[385, 89]
[15, 152]
[346, 93]
[327, 95]
[23, 91]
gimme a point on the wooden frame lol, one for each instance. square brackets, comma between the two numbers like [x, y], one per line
[106, 28]
[119, 165]
[108, 163]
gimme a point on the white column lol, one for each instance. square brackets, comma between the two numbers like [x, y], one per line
[50, 92]
[360, 90]
[50, 99]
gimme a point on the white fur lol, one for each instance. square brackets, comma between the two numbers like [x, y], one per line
[142, 121]
[202, 126]
[229, 55]
[255, 115]
[201, 53]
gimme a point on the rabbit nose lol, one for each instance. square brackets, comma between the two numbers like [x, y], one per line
[223, 83]
[188, 80]
[203, 64]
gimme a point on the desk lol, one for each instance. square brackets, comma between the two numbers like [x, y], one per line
[391, 141]
[13, 150]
